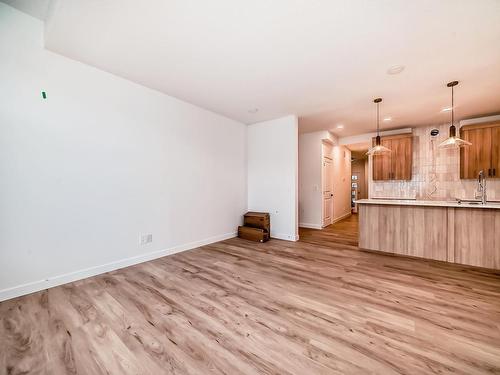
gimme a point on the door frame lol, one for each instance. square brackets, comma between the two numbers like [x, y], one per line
[326, 144]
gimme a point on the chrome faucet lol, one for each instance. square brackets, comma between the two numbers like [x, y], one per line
[481, 187]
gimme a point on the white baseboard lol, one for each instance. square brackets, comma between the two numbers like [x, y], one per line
[342, 217]
[286, 237]
[53, 281]
[311, 226]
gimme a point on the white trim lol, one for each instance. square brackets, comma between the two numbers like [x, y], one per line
[286, 237]
[69, 277]
[341, 217]
[310, 226]
[479, 120]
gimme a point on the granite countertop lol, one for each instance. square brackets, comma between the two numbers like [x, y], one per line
[414, 202]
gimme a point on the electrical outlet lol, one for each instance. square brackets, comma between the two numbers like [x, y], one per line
[146, 238]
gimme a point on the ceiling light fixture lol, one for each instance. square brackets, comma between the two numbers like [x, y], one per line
[340, 126]
[388, 119]
[395, 69]
[453, 141]
[378, 148]
[447, 109]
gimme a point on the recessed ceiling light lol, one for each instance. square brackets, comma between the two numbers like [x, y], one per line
[340, 126]
[447, 109]
[387, 118]
[395, 69]
[253, 110]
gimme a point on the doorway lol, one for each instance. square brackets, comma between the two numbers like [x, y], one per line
[327, 184]
[359, 174]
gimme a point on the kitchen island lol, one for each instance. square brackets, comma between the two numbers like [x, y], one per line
[451, 231]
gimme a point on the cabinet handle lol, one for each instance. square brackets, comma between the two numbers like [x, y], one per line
[489, 172]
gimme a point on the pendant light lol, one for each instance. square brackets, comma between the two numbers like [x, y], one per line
[453, 141]
[378, 148]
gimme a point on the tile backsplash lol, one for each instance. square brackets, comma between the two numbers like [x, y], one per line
[436, 173]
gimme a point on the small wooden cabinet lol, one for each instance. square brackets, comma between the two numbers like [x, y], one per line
[256, 227]
[484, 153]
[395, 165]
[259, 220]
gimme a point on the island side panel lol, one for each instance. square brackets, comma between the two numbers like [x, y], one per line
[477, 237]
[379, 226]
[425, 230]
[405, 230]
[451, 235]
[369, 226]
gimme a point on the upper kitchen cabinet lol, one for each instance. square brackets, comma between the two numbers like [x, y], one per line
[395, 165]
[484, 153]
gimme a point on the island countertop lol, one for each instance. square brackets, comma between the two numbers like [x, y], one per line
[428, 203]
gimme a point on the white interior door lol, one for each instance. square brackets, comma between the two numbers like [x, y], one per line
[327, 191]
[355, 190]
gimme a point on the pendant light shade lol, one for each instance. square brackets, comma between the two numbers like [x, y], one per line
[453, 141]
[378, 149]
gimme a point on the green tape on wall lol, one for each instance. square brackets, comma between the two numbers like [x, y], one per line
[44, 95]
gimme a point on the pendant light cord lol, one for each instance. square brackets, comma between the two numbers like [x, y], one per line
[378, 126]
[452, 107]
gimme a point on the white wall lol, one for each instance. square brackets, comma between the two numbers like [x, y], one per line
[272, 173]
[84, 173]
[310, 165]
[310, 169]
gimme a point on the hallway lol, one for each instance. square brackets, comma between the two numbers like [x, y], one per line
[344, 232]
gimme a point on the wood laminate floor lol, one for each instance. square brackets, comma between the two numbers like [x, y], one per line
[238, 307]
[344, 232]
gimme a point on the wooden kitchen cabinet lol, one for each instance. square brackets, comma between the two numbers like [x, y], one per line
[396, 165]
[402, 153]
[495, 151]
[484, 153]
[382, 166]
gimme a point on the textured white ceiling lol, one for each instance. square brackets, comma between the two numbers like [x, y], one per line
[324, 60]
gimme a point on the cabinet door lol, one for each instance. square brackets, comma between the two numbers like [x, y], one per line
[382, 164]
[495, 152]
[402, 158]
[476, 157]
